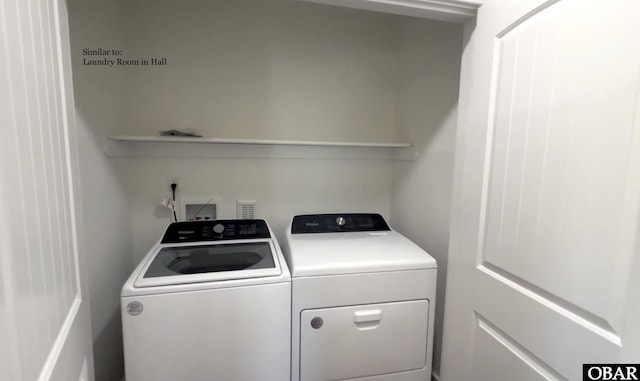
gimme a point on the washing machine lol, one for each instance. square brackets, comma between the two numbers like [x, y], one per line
[363, 299]
[210, 301]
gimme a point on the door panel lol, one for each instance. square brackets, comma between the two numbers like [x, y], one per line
[493, 347]
[44, 316]
[544, 230]
[579, 180]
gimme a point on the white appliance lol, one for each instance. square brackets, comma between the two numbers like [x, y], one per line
[210, 301]
[363, 299]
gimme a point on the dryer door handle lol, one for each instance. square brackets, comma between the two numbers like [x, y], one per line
[367, 317]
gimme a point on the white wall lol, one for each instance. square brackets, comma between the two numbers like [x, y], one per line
[104, 201]
[421, 193]
[283, 187]
[261, 69]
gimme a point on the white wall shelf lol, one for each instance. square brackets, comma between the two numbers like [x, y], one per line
[173, 146]
[459, 11]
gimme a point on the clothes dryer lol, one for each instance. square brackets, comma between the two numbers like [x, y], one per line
[210, 301]
[363, 299]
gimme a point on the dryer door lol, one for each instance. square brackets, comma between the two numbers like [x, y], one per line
[358, 341]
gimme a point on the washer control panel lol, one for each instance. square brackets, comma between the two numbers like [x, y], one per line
[338, 223]
[215, 230]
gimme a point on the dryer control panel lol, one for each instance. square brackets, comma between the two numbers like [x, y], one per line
[215, 230]
[338, 223]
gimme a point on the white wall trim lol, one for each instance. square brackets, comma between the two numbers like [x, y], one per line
[61, 339]
[443, 10]
[7, 275]
[69, 157]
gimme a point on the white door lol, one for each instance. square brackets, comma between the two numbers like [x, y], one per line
[544, 266]
[44, 324]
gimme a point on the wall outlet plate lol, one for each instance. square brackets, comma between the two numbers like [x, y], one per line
[200, 212]
[199, 208]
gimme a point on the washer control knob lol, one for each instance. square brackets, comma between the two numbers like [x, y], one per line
[317, 322]
[218, 228]
[340, 221]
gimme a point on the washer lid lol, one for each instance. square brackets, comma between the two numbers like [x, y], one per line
[354, 252]
[196, 263]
